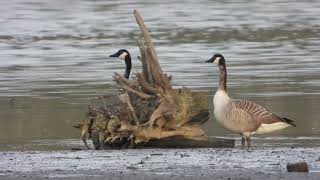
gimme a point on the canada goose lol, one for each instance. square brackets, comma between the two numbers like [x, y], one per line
[242, 116]
[125, 55]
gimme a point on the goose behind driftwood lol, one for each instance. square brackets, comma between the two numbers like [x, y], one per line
[242, 116]
[125, 55]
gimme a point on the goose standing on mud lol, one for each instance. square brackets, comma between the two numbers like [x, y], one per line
[125, 55]
[242, 116]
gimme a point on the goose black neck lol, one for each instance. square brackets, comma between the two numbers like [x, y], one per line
[223, 76]
[128, 66]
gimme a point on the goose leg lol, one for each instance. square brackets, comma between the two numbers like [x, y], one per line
[248, 142]
[243, 142]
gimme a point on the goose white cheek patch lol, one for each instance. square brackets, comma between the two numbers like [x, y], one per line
[123, 55]
[216, 61]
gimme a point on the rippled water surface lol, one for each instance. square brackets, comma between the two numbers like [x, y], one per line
[54, 57]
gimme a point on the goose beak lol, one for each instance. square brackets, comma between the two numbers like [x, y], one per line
[209, 61]
[114, 55]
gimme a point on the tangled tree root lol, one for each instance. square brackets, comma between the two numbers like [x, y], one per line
[149, 108]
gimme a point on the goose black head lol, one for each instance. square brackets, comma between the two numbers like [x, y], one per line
[125, 55]
[216, 59]
[122, 54]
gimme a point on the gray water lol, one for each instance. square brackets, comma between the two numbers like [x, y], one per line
[54, 58]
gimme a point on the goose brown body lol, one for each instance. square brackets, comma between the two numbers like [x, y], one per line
[246, 116]
[242, 116]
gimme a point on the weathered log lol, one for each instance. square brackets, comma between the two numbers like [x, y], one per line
[212, 142]
[149, 111]
[154, 68]
[148, 41]
[145, 66]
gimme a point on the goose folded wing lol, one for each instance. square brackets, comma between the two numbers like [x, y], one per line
[259, 113]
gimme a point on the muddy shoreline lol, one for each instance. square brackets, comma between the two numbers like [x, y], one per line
[225, 163]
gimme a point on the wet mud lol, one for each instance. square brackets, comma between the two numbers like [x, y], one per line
[226, 163]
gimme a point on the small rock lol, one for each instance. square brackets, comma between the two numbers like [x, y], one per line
[298, 167]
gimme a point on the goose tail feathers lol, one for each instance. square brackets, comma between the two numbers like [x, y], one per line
[289, 121]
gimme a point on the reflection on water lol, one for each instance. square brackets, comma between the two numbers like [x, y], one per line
[54, 57]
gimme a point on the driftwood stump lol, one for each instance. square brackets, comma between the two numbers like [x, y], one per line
[150, 110]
